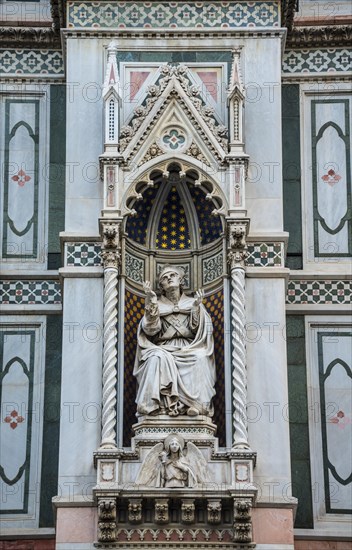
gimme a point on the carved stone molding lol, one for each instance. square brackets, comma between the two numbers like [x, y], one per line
[236, 239]
[161, 509]
[242, 521]
[188, 511]
[107, 520]
[110, 231]
[155, 92]
[214, 511]
[194, 151]
[30, 37]
[326, 35]
[153, 152]
[135, 510]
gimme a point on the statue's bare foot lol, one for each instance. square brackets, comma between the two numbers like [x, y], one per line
[192, 411]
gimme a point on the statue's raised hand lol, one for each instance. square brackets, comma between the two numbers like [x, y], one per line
[149, 292]
[199, 297]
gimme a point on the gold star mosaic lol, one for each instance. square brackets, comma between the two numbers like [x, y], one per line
[173, 232]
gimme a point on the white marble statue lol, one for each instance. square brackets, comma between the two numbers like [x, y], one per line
[174, 367]
[172, 464]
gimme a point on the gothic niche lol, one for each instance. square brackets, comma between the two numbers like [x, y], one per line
[173, 225]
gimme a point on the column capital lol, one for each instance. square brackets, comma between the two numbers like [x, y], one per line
[237, 231]
[110, 230]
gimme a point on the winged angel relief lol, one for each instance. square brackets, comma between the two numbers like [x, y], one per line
[172, 463]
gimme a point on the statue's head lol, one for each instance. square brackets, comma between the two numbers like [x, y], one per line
[171, 275]
[174, 443]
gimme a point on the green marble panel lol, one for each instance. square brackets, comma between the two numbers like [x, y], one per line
[298, 412]
[291, 169]
[301, 489]
[57, 169]
[51, 429]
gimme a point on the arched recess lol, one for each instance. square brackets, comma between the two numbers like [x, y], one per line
[175, 218]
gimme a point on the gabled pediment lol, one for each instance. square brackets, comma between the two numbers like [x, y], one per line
[173, 105]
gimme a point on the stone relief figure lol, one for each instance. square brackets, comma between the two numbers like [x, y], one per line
[173, 464]
[175, 366]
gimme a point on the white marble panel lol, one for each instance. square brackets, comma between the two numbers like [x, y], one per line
[268, 426]
[81, 384]
[84, 144]
[266, 214]
[261, 68]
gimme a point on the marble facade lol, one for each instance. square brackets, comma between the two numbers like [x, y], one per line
[179, 110]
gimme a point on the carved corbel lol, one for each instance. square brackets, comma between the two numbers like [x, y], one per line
[237, 247]
[188, 511]
[107, 520]
[161, 510]
[135, 510]
[111, 247]
[242, 521]
[214, 511]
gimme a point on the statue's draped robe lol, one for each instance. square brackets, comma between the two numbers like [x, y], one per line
[175, 357]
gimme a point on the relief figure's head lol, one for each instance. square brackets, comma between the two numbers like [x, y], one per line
[171, 277]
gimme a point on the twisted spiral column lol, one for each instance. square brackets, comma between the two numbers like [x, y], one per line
[239, 373]
[108, 437]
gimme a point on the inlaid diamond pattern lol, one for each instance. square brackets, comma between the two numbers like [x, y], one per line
[81, 254]
[265, 255]
[319, 292]
[30, 292]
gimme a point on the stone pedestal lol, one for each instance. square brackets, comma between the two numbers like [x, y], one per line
[216, 511]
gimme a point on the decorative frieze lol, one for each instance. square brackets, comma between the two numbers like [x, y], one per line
[322, 60]
[164, 535]
[45, 63]
[30, 292]
[324, 36]
[172, 15]
[316, 292]
[83, 254]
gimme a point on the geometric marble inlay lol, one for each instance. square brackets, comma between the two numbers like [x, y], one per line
[319, 292]
[30, 292]
[324, 60]
[81, 254]
[265, 255]
[29, 62]
[172, 15]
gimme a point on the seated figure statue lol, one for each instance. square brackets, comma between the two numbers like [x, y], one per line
[175, 367]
